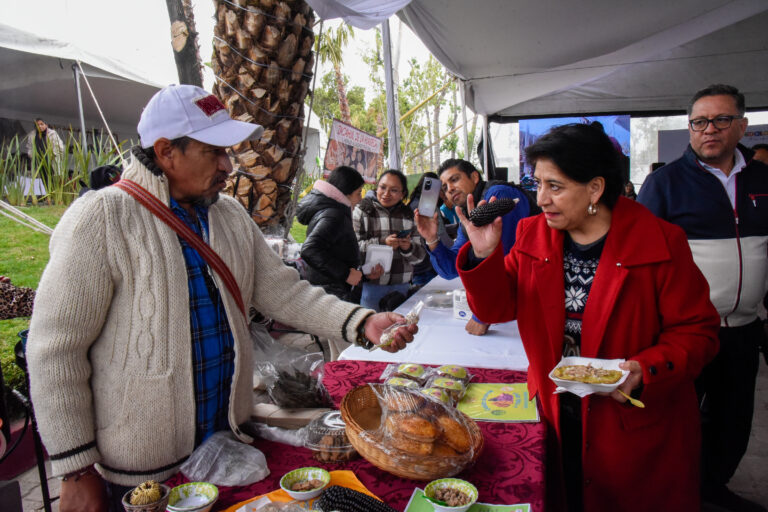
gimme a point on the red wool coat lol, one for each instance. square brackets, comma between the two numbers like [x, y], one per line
[648, 302]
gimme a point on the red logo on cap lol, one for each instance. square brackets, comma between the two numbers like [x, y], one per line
[209, 105]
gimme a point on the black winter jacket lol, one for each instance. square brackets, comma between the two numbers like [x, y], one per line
[330, 249]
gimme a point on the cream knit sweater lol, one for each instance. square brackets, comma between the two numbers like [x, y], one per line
[109, 350]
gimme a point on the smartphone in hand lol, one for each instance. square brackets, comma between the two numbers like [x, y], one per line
[404, 233]
[430, 193]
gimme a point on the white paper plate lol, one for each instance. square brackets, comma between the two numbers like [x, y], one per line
[583, 389]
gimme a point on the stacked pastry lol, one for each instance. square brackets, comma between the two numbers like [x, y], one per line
[416, 425]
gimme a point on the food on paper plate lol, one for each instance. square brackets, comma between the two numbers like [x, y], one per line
[587, 374]
[146, 493]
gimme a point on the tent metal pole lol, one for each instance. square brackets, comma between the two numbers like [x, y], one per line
[462, 90]
[392, 120]
[485, 147]
[80, 107]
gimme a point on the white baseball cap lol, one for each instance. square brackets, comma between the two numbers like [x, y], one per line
[190, 111]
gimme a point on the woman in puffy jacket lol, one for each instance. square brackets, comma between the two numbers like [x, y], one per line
[330, 249]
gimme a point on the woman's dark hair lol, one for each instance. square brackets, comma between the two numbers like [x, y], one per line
[346, 179]
[416, 192]
[400, 176]
[582, 152]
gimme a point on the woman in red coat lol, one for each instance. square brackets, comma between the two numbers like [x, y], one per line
[598, 275]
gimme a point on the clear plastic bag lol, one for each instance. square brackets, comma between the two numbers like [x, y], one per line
[223, 460]
[415, 427]
[293, 377]
[388, 335]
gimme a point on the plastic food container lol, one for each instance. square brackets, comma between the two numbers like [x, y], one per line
[583, 389]
[327, 439]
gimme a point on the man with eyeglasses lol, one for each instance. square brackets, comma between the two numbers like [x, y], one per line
[718, 193]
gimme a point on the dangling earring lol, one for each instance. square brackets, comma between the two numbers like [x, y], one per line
[592, 209]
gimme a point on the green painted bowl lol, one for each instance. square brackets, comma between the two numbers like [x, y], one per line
[193, 497]
[297, 475]
[454, 483]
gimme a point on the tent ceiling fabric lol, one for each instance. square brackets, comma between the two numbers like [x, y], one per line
[38, 81]
[362, 14]
[530, 58]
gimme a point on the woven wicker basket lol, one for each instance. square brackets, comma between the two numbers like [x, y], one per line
[361, 412]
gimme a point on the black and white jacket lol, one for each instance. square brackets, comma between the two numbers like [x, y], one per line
[730, 245]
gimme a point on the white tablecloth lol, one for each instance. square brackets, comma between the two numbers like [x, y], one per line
[442, 339]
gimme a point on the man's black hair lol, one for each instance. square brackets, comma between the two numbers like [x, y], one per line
[400, 176]
[760, 146]
[582, 152]
[718, 90]
[462, 165]
[346, 179]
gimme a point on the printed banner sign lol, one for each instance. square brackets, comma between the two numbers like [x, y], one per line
[352, 147]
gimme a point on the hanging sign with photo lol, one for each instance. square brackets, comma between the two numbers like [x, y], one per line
[354, 148]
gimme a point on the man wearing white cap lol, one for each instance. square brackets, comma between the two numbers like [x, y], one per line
[139, 347]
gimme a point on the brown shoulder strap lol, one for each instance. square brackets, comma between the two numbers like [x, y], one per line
[162, 212]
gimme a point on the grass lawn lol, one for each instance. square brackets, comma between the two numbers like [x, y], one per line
[23, 256]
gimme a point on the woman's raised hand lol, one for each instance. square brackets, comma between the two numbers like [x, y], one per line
[484, 239]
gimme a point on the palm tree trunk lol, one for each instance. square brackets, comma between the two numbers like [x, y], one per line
[263, 62]
[341, 91]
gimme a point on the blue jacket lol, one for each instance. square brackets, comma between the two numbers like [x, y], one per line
[444, 258]
[729, 246]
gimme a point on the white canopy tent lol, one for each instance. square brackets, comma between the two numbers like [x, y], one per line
[38, 80]
[528, 58]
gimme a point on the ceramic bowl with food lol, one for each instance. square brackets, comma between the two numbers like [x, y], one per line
[155, 506]
[458, 495]
[305, 483]
[193, 497]
[585, 375]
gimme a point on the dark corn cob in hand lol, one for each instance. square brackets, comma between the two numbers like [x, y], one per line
[485, 213]
[348, 500]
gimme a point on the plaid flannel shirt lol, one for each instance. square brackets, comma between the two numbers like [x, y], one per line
[213, 352]
[373, 223]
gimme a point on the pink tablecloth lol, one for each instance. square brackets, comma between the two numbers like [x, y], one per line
[510, 469]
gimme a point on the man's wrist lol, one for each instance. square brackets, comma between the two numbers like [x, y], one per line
[80, 473]
[361, 338]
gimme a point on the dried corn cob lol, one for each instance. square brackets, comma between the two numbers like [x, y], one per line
[348, 500]
[486, 213]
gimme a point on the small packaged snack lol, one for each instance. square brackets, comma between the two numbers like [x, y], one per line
[438, 394]
[453, 371]
[401, 382]
[411, 371]
[388, 336]
[455, 388]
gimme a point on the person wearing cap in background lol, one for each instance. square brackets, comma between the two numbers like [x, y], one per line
[138, 350]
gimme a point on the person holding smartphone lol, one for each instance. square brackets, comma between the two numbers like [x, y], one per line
[378, 221]
[459, 179]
